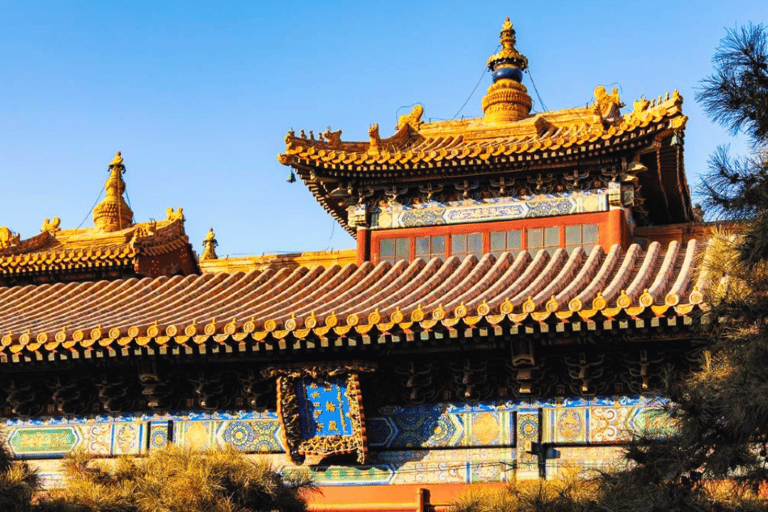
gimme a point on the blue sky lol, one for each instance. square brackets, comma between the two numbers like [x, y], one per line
[198, 96]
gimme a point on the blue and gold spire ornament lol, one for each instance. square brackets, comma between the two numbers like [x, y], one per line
[507, 98]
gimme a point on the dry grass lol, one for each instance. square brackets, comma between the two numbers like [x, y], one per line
[175, 479]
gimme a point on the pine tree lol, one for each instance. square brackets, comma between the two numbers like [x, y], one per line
[717, 459]
[736, 96]
[176, 479]
[721, 411]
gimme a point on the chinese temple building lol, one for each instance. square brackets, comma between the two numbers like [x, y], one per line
[520, 285]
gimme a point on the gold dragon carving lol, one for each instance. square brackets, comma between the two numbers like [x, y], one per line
[172, 215]
[8, 238]
[375, 139]
[412, 119]
[607, 105]
[51, 227]
[333, 139]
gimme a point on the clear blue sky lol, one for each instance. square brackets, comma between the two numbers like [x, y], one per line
[198, 96]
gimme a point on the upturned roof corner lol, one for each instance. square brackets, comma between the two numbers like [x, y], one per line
[114, 247]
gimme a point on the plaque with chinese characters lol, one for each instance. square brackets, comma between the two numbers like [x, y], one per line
[321, 410]
[324, 406]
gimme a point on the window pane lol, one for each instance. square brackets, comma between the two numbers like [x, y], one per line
[386, 248]
[438, 246]
[572, 235]
[552, 236]
[591, 234]
[514, 240]
[535, 238]
[498, 241]
[402, 248]
[422, 247]
[475, 244]
[458, 244]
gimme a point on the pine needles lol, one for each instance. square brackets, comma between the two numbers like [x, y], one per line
[176, 479]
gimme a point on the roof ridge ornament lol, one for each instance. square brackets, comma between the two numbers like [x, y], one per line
[507, 98]
[8, 238]
[209, 246]
[508, 53]
[112, 213]
[51, 226]
[412, 119]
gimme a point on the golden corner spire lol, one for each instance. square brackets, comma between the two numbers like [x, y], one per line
[112, 213]
[209, 246]
[507, 99]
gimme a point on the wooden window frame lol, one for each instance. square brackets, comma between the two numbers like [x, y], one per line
[601, 219]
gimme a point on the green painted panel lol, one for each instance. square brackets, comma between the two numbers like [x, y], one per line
[43, 441]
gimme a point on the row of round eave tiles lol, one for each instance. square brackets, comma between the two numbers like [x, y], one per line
[83, 264]
[483, 152]
[375, 319]
[98, 252]
[48, 260]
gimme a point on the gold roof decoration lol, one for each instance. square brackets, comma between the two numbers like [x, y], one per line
[429, 144]
[412, 119]
[507, 99]
[112, 213]
[8, 238]
[209, 246]
[508, 52]
[115, 246]
[505, 130]
[118, 160]
[507, 139]
[51, 226]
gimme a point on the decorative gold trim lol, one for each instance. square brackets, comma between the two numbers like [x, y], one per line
[315, 449]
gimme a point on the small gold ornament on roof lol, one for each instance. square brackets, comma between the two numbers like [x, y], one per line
[507, 98]
[8, 238]
[174, 215]
[51, 227]
[209, 246]
[113, 213]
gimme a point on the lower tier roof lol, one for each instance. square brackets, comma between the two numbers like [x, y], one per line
[353, 301]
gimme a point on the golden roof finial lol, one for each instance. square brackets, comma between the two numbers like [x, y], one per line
[209, 246]
[112, 213]
[507, 35]
[507, 99]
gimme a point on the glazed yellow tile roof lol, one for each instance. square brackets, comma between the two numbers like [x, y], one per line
[426, 144]
[68, 250]
[285, 308]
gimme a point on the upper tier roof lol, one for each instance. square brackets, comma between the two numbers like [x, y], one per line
[506, 141]
[417, 145]
[114, 247]
[351, 303]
